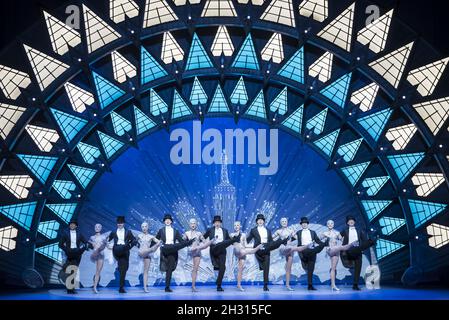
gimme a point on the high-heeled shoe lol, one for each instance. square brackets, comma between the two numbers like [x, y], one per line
[194, 289]
[240, 288]
[290, 288]
[95, 290]
[335, 289]
[146, 290]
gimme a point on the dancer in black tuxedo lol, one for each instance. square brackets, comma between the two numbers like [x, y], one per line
[73, 243]
[307, 237]
[124, 240]
[172, 242]
[353, 256]
[221, 241]
[262, 235]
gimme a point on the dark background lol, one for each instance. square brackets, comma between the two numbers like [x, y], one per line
[429, 18]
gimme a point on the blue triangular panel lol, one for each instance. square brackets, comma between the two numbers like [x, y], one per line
[338, 91]
[64, 188]
[143, 122]
[386, 247]
[52, 252]
[374, 184]
[22, 213]
[83, 175]
[280, 103]
[294, 121]
[318, 122]
[424, 211]
[294, 68]
[40, 166]
[120, 124]
[246, 57]
[375, 123]
[355, 172]
[218, 104]
[180, 108]
[257, 108]
[49, 229]
[64, 211]
[198, 58]
[69, 125]
[390, 225]
[374, 207]
[110, 145]
[198, 95]
[349, 150]
[327, 143]
[404, 164]
[151, 69]
[157, 105]
[240, 95]
[107, 92]
[88, 152]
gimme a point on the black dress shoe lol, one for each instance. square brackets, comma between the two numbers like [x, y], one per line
[220, 289]
[121, 290]
[168, 290]
[71, 291]
[311, 288]
[356, 288]
[265, 288]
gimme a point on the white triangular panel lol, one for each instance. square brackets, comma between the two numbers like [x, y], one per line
[123, 69]
[365, 97]
[219, 8]
[375, 34]
[273, 50]
[11, 81]
[79, 98]
[427, 183]
[17, 185]
[120, 9]
[45, 68]
[434, 113]
[222, 43]
[157, 12]
[98, 32]
[171, 50]
[61, 35]
[339, 31]
[9, 116]
[401, 136]
[427, 77]
[391, 67]
[44, 138]
[317, 9]
[322, 68]
[280, 11]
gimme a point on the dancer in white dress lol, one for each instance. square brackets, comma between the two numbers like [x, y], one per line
[288, 249]
[241, 250]
[145, 240]
[98, 243]
[334, 249]
[194, 250]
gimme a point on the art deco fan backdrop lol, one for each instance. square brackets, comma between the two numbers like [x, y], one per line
[363, 91]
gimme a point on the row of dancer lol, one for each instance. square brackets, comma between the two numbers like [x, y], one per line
[217, 239]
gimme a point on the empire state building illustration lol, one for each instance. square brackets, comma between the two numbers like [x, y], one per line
[225, 202]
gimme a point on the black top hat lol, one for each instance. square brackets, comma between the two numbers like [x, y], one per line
[74, 221]
[217, 218]
[350, 218]
[304, 220]
[168, 216]
[120, 219]
[260, 216]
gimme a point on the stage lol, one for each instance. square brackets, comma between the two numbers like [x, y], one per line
[231, 293]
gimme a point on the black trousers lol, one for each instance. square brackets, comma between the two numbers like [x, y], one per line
[263, 258]
[218, 257]
[308, 260]
[354, 256]
[171, 262]
[170, 259]
[121, 254]
[73, 259]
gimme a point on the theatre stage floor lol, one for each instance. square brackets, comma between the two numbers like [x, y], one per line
[252, 293]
